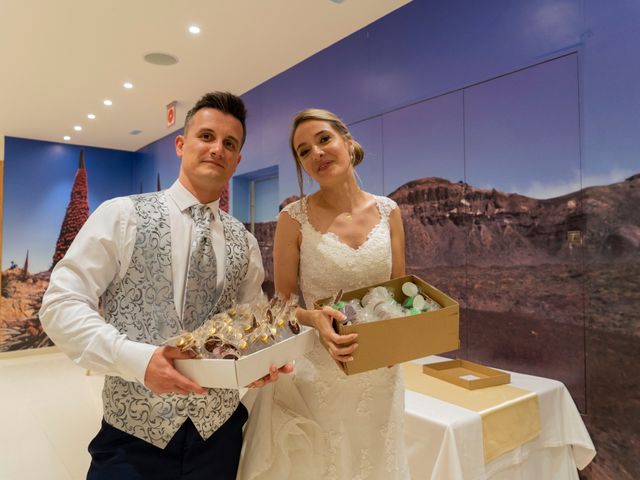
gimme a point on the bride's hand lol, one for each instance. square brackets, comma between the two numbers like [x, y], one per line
[340, 347]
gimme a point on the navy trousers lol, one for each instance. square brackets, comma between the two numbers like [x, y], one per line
[116, 455]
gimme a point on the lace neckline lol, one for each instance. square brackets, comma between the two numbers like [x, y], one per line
[334, 236]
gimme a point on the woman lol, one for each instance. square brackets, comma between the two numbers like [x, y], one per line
[318, 422]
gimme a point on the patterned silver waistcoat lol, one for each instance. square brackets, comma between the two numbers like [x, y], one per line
[141, 306]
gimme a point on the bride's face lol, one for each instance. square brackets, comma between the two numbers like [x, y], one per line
[323, 153]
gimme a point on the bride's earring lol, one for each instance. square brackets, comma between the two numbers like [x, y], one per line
[358, 179]
[309, 182]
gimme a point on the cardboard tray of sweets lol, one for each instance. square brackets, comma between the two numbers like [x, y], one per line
[396, 340]
[466, 374]
[239, 373]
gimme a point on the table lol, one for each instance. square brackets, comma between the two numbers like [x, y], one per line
[444, 441]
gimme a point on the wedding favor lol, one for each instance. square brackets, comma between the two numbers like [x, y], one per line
[379, 303]
[396, 321]
[237, 346]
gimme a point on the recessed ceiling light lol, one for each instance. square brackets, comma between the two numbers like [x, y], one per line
[194, 29]
[91, 116]
[127, 85]
[160, 59]
[77, 128]
[108, 102]
[135, 132]
[66, 138]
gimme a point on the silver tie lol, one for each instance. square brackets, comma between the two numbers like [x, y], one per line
[200, 289]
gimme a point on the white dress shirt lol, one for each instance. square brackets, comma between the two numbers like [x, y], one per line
[100, 254]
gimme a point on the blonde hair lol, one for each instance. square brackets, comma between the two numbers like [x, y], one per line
[336, 123]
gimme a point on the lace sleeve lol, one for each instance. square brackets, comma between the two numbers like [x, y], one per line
[296, 211]
[386, 205]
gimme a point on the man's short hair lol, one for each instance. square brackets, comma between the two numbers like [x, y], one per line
[226, 103]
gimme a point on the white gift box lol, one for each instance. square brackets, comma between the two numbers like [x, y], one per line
[240, 373]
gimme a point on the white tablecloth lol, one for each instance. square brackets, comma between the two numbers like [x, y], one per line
[444, 441]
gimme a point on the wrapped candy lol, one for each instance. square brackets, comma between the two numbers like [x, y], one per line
[242, 329]
[379, 304]
[416, 300]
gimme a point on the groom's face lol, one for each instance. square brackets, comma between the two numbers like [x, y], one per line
[210, 147]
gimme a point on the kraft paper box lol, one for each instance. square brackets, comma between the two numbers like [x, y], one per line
[466, 374]
[396, 340]
[239, 373]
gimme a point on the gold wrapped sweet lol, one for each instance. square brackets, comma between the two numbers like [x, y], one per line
[242, 329]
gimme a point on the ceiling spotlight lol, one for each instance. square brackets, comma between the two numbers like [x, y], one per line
[66, 138]
[77, 128]
[91, 116]
[194, 29]
[127, 85]
[108, 102]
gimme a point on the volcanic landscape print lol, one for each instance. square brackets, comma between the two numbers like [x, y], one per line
[43, 210]
[547, 287]
[22, 291]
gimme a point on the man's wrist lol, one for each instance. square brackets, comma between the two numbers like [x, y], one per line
[134, 358]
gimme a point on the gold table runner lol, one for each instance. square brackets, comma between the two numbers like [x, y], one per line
[510, 415]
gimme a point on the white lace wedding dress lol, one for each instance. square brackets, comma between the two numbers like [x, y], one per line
[318, 422]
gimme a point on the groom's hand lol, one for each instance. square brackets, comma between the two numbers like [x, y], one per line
[162, 377]
[272, 376]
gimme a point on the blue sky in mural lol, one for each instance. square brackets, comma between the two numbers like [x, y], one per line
[522, 131]
[424, 140]
[438, 81]
[517, 133]
[37, 184]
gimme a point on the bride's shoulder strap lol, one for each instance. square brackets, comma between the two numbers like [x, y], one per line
[297, 210]
[385, 205]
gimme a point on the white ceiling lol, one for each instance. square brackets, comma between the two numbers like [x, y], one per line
[61, 58]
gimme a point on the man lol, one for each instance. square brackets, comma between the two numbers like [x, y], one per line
[146, 258]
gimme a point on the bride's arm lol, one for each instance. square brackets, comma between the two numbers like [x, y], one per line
[286, 255]
[397, 244]
[286, 263]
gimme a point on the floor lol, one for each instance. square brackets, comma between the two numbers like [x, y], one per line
[49, 411]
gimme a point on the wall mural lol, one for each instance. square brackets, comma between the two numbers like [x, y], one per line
[49, 190]
[542, 251]
[22, 289]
